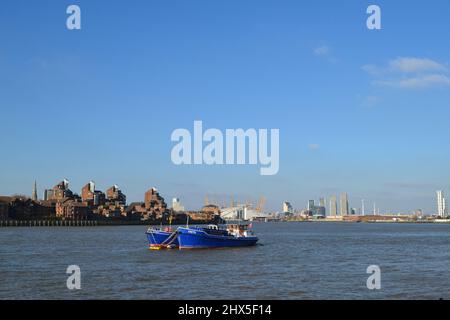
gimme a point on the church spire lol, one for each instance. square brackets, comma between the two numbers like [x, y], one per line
[34, 195]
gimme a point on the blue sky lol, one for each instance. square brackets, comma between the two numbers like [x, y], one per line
[359, 111]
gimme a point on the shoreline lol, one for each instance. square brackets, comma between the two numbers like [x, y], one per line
[100, 223]
[84, 223]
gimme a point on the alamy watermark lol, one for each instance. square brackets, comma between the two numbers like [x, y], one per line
[236, 146]
[374, 280]
[73, 21]
[74, 280]
[374, 20]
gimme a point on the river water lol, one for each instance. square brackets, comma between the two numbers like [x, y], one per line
[292, 261]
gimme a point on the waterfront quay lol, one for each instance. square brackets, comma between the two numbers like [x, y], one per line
[89, 223]
[49, 223]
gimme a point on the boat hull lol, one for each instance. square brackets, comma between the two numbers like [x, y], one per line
[199, 239]
[158, 239]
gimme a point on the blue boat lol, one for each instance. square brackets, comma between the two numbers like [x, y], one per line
[215, 237]
[162, 239]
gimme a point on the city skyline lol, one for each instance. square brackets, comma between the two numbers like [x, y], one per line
[359, 111]
[331, 207]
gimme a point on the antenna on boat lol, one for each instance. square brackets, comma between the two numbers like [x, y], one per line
[187, 220]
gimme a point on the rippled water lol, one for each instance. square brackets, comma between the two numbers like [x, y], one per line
[293, 261]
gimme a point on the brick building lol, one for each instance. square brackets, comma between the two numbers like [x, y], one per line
[136, 211]
[91, 196]
[207, 213]
[58, 192]
[72, 209]
[23, 208]
[153, 208]
[154, 203]
[114, 194]
[211, 209]
[4, 207]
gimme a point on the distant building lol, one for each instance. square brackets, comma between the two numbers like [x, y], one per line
[111, 210]
[34, 195]
[48, 195]
[333, 206]
[114, 194]
[209, 212]
[287, 207]
[91, 196]
[304, 213]
[344, 204]
[441, 204]
[137, 211]
[59, 192]
[319, 211]
[233, 213]
[322, 202]
[176, 205]
[154, 204]
[23, 208]
[212, 209]
[72, 209]
[114, 206]
[4, 207]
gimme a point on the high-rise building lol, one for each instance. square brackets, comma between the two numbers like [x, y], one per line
[59, 192]
[322, 202]
[92, 196]
[333, 206]
[319, 211]
[176, 205]
[87, 192]
[114, 194]
[311, 205]
[154, 203]
[441, 204]
[287, 207]
[48, 194]
[344, 204]
[34, 195]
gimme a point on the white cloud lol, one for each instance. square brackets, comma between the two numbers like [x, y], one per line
[322, 51]
[410, 73]
[424, 81]
[414, 65]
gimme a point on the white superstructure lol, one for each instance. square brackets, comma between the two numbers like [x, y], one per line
[241, 212]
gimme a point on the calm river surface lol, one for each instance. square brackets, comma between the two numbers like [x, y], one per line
[293, 261]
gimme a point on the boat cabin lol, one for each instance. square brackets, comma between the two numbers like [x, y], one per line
[240, 230]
